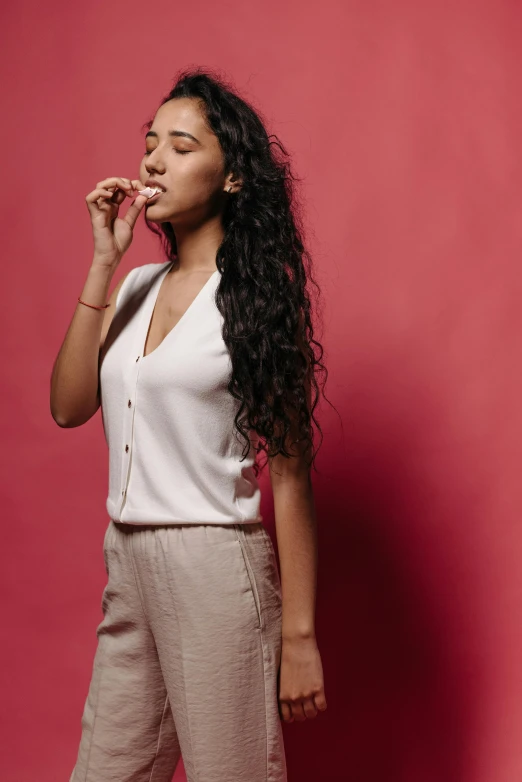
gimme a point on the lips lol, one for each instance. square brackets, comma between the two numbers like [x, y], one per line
[154, 183]
[150, 192]
[154, 198]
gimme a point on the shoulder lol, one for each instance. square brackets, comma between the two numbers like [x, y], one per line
[137, 278]
[147, 271]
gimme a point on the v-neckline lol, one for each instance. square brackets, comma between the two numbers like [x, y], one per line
[152, 307]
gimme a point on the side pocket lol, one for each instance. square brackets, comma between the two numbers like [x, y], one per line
[104, 546]
[106, 590]
[250, 574]
[269, 546]
[268, 541]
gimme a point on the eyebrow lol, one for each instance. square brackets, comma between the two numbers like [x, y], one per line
[176, 133]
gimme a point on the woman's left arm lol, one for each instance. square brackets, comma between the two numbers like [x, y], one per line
[301, 685]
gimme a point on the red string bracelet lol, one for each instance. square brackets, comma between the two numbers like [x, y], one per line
[94, 305]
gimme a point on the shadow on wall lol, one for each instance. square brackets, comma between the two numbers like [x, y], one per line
[397, 623]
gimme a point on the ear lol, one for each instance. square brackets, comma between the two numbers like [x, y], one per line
[234, 182]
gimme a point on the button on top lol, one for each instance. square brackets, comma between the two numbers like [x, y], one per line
[126, 448]
[138, 358]
[129, 403]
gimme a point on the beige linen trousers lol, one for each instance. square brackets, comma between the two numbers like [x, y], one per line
[188, 655]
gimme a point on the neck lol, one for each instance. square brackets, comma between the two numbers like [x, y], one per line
[197, 246]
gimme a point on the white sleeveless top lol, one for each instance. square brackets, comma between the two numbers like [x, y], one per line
[168, 418]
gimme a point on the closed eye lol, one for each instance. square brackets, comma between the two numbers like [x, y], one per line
[179, 151]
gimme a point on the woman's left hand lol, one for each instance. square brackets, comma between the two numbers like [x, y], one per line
[301, 685]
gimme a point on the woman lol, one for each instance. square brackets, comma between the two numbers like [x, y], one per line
[199, 363]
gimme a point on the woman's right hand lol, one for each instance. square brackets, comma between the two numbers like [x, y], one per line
[112, 234]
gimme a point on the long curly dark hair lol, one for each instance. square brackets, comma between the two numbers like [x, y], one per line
[264, 267]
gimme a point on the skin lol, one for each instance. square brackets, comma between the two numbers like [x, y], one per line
[196, 193]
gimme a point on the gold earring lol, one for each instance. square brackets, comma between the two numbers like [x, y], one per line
[229, 189]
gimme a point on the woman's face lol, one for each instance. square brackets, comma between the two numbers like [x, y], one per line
[185, 158]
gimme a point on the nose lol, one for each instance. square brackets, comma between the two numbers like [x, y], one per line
[154, 162]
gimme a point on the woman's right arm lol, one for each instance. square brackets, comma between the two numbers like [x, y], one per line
[75, 393]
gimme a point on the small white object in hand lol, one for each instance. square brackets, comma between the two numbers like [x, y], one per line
[150, 191]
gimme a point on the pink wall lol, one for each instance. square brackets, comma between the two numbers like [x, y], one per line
[405, 121]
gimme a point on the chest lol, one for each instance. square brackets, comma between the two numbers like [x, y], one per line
[173, 301]
[185, 352]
